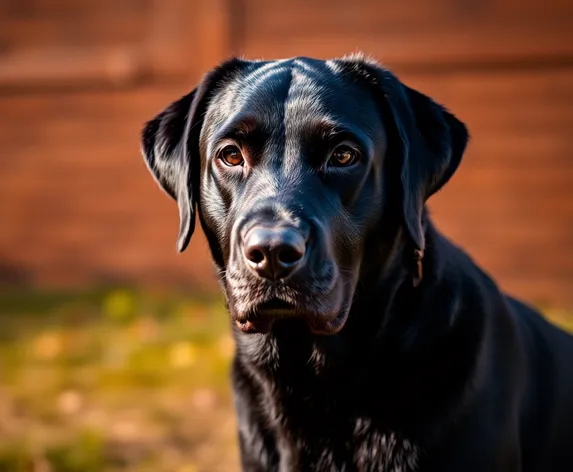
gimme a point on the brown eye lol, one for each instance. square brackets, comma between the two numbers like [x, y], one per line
[343, 156]
[231, 156]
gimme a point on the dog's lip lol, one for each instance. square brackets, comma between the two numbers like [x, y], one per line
[263, 317]
[317, 324]
[261, 325]
[330, 325]
[275, 307]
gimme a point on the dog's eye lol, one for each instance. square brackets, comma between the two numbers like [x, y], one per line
[231, 156]
[343, 156]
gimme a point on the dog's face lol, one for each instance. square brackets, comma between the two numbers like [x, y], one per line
[290, 184]
[295, 166]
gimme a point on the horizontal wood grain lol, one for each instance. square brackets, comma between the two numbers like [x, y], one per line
[77, 205]
[409, 32]
[103, 43]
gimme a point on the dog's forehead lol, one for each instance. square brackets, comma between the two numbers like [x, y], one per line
[292, 92]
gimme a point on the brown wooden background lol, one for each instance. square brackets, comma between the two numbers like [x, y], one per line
[78, 79]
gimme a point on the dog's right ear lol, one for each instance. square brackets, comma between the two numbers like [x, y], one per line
[170, 146]
[169, 161]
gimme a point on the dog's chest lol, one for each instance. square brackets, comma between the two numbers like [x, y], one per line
[361, 448]
[377, 451]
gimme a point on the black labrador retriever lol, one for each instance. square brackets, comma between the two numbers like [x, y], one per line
[366, 341]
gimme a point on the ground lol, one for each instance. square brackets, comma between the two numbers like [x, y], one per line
[118, 380]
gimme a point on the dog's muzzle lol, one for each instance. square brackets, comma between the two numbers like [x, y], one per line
[283, 270]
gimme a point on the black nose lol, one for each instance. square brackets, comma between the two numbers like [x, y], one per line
[273, 253]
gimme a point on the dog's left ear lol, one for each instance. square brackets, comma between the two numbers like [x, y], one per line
[433, 141]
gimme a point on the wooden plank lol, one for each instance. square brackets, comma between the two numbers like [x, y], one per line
[71, 41]
[409, 32]
[108, 43]
[41, 67]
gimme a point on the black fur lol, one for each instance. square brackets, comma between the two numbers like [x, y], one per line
[363, 370]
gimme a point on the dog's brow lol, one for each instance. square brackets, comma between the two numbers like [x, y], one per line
[328, 129]
[240, 127]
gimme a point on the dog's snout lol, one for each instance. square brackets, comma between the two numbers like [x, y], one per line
[274, 253]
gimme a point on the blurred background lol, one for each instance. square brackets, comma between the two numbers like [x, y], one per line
[114, 349]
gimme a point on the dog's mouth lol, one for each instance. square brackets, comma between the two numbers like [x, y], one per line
[321, 319]
[322, 301]
[262, 316]
[276, 307]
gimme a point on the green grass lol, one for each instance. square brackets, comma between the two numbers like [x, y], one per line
[115, 380]
[118, 380]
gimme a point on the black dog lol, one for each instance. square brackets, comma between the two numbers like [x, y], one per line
[366, 341]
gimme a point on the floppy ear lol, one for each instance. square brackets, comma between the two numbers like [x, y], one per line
[170, 146]
[167, 157]
[432, 140]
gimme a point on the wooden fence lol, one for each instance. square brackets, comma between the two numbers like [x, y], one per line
[78, 79]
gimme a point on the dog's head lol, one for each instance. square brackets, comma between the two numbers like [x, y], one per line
[305, 174]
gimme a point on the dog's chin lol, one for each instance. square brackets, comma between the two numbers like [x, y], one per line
[328, 325]
[325, 315]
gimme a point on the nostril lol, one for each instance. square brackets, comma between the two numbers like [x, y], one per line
[289, 255]
[256, 256]
[273, 252]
